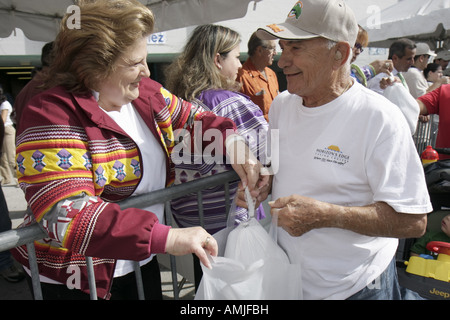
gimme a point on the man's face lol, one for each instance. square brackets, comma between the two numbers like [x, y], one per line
[268, 52]
[306, 65]
[424, 61]
[443, 63]
[404, 63]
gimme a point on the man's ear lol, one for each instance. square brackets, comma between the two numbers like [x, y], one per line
[342, 53]
[395, 58]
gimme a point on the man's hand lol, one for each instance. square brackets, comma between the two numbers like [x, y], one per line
[298, 215]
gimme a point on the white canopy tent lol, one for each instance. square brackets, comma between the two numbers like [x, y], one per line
[419, 20]
[39, 19]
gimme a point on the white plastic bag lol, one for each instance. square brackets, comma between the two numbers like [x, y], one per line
[250, 266]
[401, 97]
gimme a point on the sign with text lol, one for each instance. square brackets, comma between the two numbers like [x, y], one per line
[157, 38]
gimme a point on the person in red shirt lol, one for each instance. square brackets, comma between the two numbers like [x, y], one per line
[259, 82]
[437, 102]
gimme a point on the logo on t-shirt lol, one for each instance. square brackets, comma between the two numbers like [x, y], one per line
[331, 154]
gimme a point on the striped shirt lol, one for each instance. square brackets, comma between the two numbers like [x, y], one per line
[250, 124]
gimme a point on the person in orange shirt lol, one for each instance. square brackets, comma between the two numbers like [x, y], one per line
[259, 82]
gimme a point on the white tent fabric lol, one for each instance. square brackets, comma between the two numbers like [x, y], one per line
[418, 20]
[39, 19]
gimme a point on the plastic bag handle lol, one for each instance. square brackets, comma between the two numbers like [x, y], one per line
[250, 203]
[273, 230]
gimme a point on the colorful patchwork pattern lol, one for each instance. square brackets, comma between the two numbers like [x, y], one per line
[120, 172]
[38, 158]
[64, 159]
[99, 176]
[136, 168]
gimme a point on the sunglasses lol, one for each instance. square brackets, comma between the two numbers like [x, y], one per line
[359, 46]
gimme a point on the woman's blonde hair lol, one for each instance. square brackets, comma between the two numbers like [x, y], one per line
[362, 37]
[85, 56]
[194, 70]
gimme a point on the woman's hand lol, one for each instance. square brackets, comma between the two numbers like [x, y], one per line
[382, 66]
[181, 241]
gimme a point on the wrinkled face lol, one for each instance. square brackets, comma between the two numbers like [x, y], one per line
[230, 63]
[122, 86]
[306, 65]
[269, 52]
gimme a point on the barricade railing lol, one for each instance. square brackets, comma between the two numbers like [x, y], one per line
[425, 134]
[27, 235]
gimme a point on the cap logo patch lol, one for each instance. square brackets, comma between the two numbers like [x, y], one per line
[275, 28]
[296, 11]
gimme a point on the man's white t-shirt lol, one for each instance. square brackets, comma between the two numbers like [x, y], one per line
[416, 81]
[353, 151]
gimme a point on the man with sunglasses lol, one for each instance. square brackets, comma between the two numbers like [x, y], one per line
[260, 82]
[414, 77]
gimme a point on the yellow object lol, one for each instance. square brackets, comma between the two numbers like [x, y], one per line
[425, 161]
[438, 269]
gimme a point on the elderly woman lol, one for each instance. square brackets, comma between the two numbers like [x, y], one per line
[101, 133]
[367, 72]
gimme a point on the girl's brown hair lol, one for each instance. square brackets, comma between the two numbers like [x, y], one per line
[194, 70]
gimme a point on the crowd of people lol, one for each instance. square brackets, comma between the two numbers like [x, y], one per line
[93, 129]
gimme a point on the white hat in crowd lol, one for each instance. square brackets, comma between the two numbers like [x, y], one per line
[330, 19]
[423, 49]
[444, 55]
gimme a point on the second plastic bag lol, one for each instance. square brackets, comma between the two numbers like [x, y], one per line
[401, 97]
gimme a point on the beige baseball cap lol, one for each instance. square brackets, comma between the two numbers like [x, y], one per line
[423, 48]
[444, 55]
[330, 19]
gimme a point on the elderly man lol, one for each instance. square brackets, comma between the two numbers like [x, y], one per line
[349, 181]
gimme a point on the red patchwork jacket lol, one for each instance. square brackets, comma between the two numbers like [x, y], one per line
[74, 162]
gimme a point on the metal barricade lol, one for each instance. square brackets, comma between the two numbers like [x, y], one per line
[425, 134]
[27, 235]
